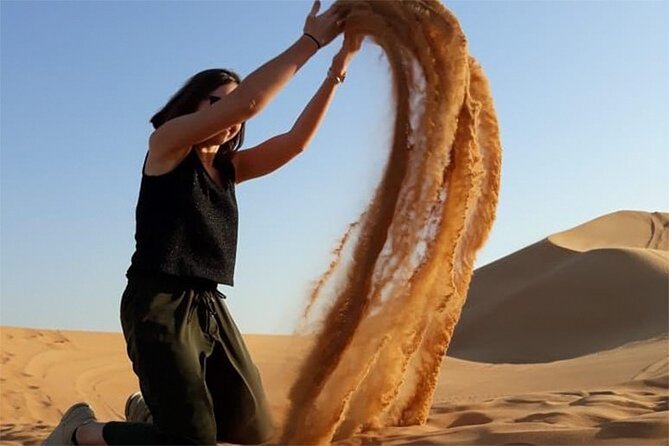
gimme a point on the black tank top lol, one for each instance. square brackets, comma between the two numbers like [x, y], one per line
[187, 223]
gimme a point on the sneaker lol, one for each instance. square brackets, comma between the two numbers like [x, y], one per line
[75, 416]
[136, 409]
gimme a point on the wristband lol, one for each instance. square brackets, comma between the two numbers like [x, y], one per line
[314, 39]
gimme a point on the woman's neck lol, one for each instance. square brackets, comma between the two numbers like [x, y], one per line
[206, 154]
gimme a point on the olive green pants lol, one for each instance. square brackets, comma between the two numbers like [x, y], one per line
[194, 371]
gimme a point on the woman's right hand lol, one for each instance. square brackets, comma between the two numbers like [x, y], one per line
[326, 26]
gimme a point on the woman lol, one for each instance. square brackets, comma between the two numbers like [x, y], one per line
[196, 376]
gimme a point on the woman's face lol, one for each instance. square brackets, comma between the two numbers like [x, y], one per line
[213, 97]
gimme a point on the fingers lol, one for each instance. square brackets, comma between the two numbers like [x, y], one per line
[335, 18]
[340, 13]
[329, 13]
[315, 7]
[329, 24]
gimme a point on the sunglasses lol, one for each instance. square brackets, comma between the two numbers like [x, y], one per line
[213, 99]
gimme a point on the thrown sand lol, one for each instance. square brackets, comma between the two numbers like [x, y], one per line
[394, 291]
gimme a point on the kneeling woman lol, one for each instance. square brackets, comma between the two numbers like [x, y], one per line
[198, 382]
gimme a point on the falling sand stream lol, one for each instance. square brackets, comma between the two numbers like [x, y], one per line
[395, 298]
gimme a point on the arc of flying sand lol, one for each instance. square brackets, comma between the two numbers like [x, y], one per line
[460, 179]
[334, 263]
[408, 331]
[433, 106]
[350, 305]
[441, 330]
[337, 377]
[490, 187]
[397, 355]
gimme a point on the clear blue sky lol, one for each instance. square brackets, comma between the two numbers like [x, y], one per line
[581, 90]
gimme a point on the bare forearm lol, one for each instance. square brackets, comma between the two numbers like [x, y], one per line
[306, 125]
[311, 117]
[262, 85]
[279, 150]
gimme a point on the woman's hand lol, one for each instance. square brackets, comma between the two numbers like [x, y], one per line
[348, 49]
[326, 26]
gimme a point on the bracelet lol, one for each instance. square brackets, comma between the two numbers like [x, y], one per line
[314, 39]
[338, 79]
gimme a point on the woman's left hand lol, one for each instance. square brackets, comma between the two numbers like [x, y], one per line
[348, 49]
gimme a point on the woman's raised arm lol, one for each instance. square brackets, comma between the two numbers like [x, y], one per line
[253, 94]
[279, 150]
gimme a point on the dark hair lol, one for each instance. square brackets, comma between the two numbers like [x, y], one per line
[194, 90]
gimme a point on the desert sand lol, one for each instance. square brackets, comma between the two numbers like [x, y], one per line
[562, 342]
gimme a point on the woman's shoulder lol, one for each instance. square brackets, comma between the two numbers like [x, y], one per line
[159, 166]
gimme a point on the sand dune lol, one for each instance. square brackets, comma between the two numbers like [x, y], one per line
[594, 370]
[593, 287]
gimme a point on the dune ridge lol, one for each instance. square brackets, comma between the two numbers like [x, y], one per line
[621, 229]
[604, 281]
